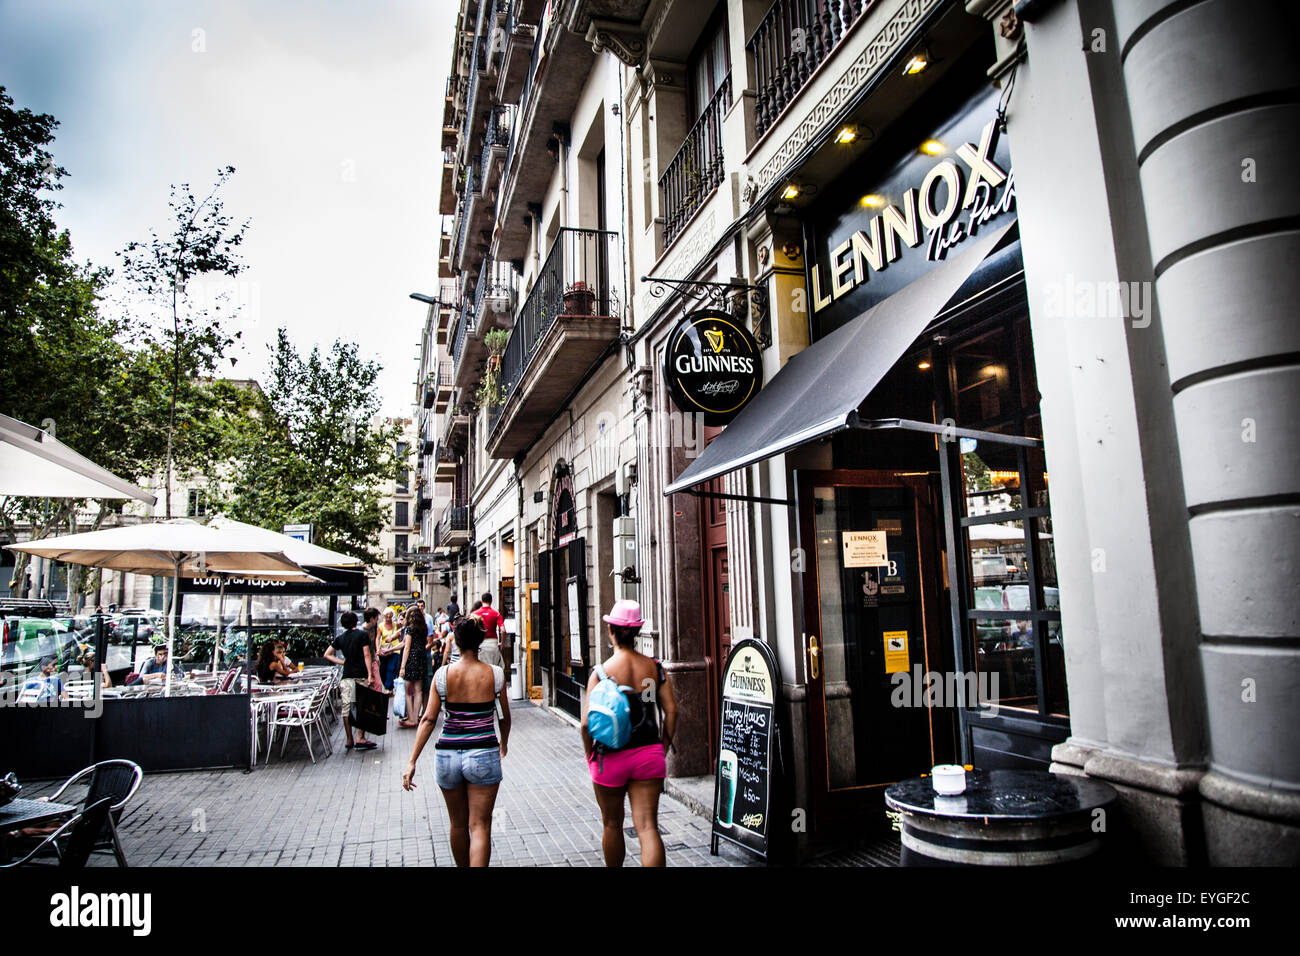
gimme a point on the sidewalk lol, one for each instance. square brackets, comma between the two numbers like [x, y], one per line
[349, 809]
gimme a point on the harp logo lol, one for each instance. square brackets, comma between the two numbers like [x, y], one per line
[715, 339]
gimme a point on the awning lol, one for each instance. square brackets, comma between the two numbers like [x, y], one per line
[819, 390]
[32, 463]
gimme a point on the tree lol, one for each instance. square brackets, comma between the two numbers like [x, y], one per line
[307, 454]
[62, 364]
[204, 242]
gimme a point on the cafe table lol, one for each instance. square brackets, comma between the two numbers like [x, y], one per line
[1004, 818]
[20, 813]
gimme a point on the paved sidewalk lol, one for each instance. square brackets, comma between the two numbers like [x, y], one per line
[349, 809]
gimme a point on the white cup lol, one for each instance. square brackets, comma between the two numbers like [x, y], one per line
[948, 778]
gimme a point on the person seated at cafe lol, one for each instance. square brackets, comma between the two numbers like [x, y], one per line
[156, 669]
[89, 662]
[273, 666]
[46, 685]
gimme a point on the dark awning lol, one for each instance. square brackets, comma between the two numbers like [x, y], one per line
[819, 390]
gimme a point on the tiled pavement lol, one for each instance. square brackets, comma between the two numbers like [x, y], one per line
[349, 809]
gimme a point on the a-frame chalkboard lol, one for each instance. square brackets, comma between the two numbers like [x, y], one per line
[749, 777]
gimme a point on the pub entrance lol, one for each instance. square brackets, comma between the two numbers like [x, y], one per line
[871, 630]
[562, 598]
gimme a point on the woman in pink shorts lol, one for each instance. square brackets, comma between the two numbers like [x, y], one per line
[636, 770]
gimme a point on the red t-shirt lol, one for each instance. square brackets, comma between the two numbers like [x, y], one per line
[491, 621]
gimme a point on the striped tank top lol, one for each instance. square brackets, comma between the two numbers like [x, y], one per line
[468, 726]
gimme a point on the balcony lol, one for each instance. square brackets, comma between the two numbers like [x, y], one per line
[453, 527]
[441, 386]
[551, 89]
[496, 141]
[467, 351]
[696, 170]
[567, 323]
[445, 464]
[445, 269]
[793, 39]
[476, 221]
[456, 428]
[447, 201]
[494, 298]
[520, 35]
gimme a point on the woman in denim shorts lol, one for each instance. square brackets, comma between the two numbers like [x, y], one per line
[468, 768]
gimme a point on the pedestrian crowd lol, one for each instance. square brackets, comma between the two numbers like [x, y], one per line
[451, 665]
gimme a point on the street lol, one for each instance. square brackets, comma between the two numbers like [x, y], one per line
[349, 809]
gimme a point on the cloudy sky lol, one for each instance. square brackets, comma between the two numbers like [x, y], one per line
[330, 110]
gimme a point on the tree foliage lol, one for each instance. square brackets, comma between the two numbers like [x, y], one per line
[309, 454]
[161, 272]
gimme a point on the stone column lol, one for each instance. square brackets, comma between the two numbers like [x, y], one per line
[1211, 90]
[1119, 520]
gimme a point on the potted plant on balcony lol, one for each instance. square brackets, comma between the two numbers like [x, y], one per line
[579, 299]
[489, 393]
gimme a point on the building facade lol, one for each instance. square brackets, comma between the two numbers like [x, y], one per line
[396, 580]
[1016, 275]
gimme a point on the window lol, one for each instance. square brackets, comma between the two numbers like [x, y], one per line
[400, 544]
[401, 579]
[401, 514]
[197, 507]
[403, 476]
[1014, 624]
[708, 65]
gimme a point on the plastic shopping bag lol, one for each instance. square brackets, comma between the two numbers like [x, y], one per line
[399, 698]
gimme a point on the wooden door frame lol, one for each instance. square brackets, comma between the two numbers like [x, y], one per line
[845, 801]
[532, 642]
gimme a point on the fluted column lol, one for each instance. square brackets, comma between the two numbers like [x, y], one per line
[1212, 95]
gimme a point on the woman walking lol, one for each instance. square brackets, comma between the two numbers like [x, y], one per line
[415, 665]
[468, 752]
[637, 769]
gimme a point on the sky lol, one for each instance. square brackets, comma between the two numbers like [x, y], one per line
[331, 113]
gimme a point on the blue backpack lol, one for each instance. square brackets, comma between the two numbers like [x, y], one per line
[609, 719]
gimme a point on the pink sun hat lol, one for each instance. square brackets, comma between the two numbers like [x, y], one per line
[624, 614]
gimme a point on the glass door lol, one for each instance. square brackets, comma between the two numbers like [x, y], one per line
[873, 634]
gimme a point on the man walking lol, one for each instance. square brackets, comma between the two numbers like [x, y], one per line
[354, 646]
[490, 650]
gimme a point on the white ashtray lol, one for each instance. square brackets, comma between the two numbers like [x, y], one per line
[948, 778]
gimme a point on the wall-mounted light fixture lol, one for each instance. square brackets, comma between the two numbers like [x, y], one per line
[918, 62]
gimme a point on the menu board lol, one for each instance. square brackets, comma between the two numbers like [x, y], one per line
[744, 777]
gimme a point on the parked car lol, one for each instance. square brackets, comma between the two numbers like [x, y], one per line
[25, 641]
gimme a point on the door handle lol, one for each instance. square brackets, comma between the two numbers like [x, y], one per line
[814, 657]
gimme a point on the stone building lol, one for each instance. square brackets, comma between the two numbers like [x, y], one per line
[1018, 280]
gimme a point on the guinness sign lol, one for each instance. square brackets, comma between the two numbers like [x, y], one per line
[712, 366]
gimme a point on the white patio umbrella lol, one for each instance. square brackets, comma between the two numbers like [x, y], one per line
[991, 535]
[307, 555]
[34, 464]
[180, 547]
[301, 552]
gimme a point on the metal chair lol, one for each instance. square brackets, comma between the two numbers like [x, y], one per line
[80, 834]
[116, 781]
[304, 713]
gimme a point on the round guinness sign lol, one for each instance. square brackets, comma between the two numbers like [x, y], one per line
[712, 366]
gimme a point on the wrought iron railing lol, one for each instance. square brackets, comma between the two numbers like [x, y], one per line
[696, 170]
[518, 127]
[497, 133]
[455, 519]
[458, 341]
[579, 277]
[789, 44]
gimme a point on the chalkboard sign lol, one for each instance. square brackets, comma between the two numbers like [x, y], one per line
[748, 771]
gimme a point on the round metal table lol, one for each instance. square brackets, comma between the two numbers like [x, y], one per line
[1005, 818]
